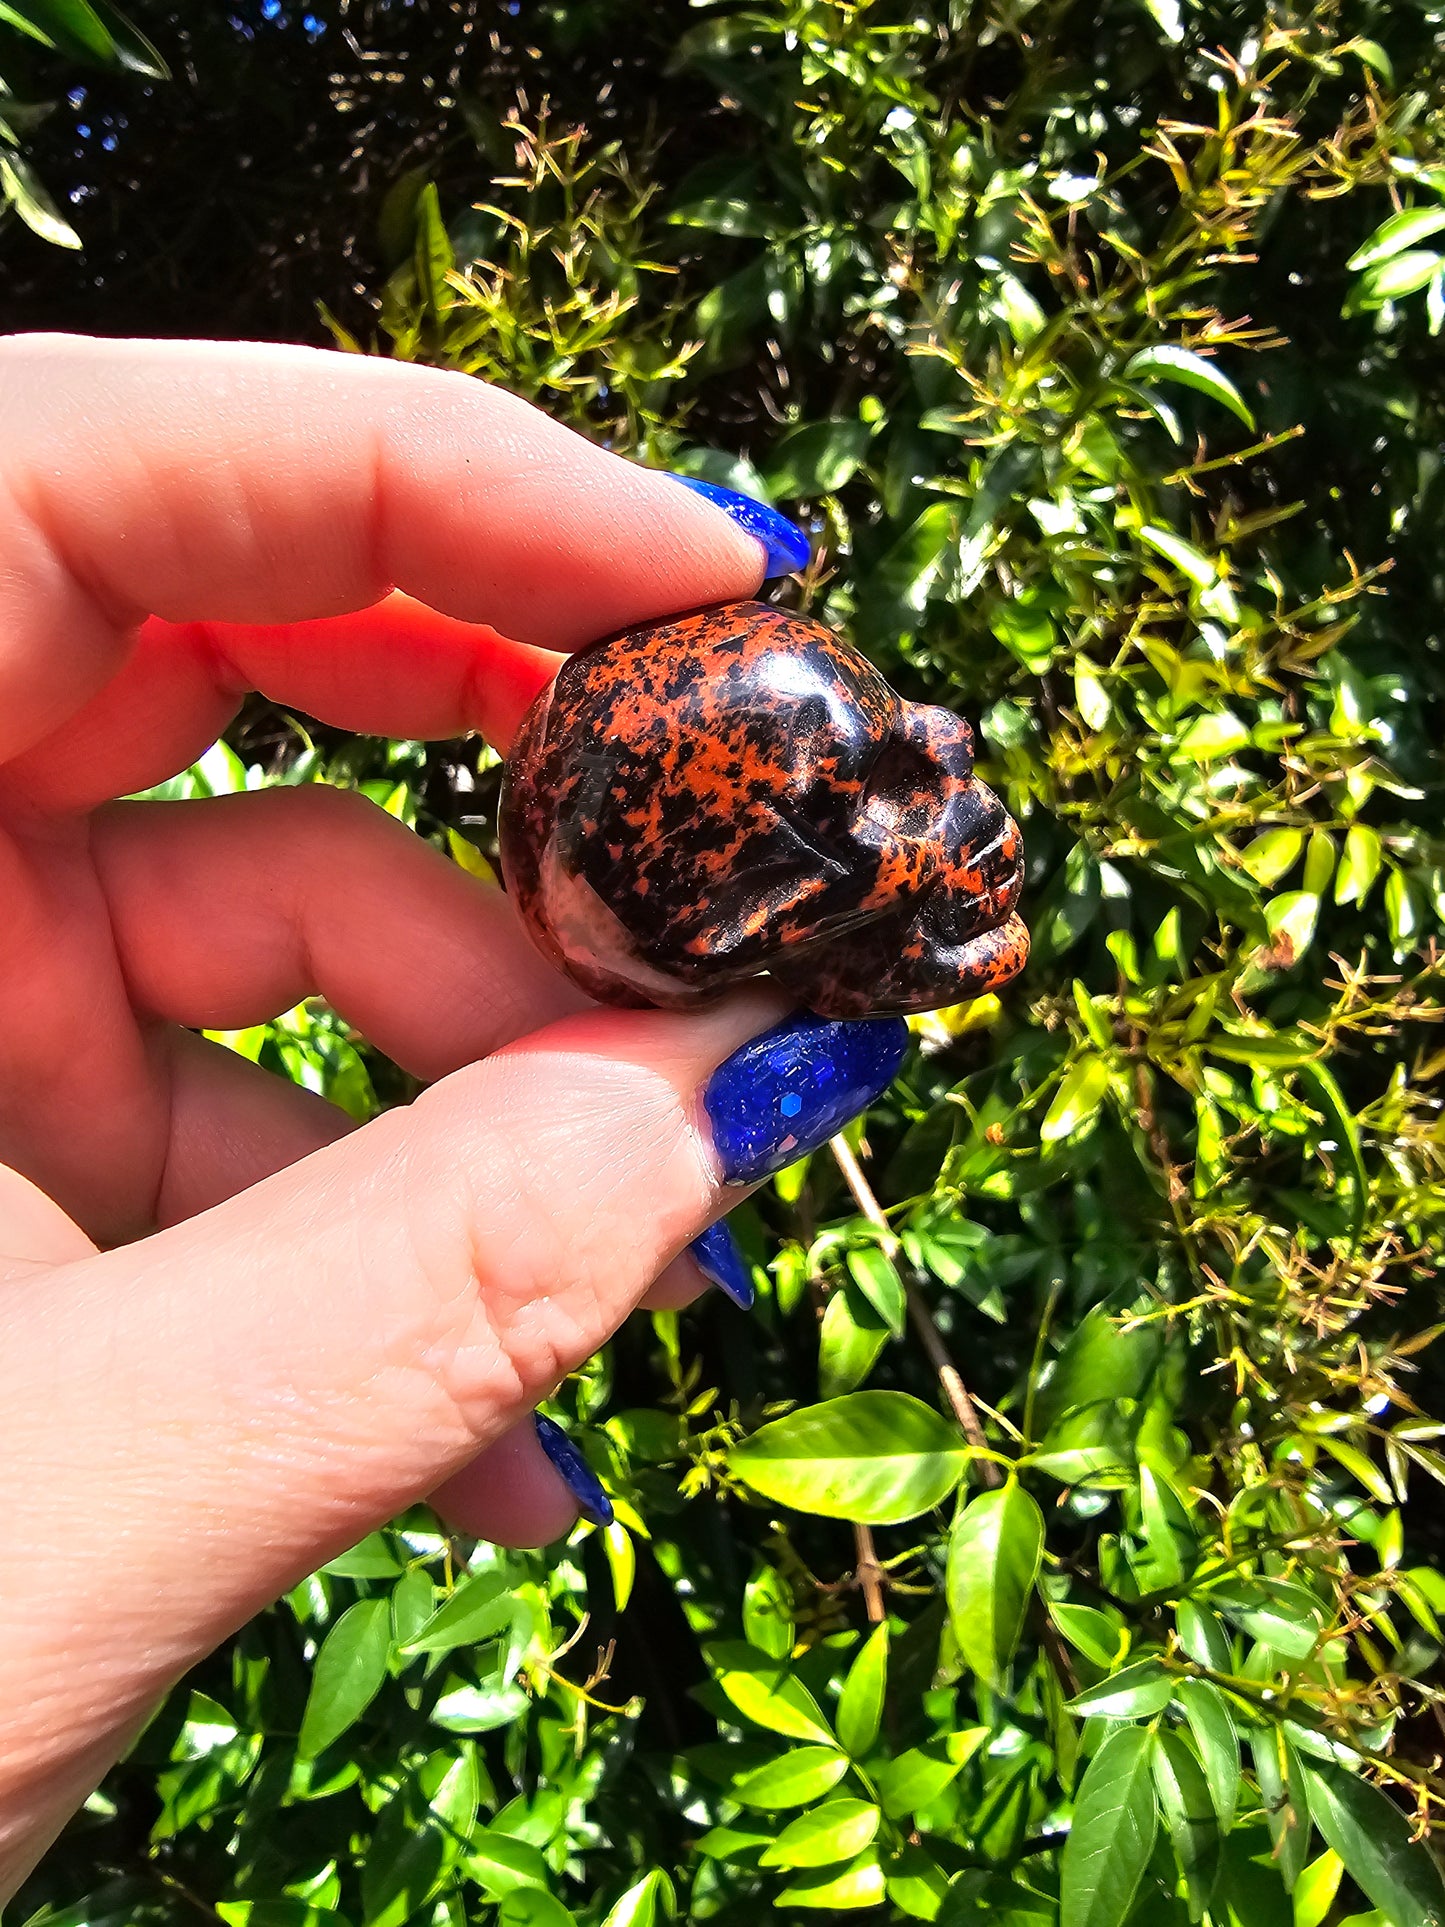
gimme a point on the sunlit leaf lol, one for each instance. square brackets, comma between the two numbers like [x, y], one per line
[1112, 1835]
[765, 1691]
[1373, 1839]
[1182, 365]
[795, 1780]
[1187, 1811]
[860, 1704]
[348, 1674]
[837, 1830]
[994, 1552]
[879, 1457]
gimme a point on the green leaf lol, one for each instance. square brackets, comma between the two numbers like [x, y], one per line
[860, 1704]
[643, 1901]
[621, 1561]
[768, 1613]
[1249, 1891]
[876, 1276]
[816, 459]
[479, 1607]
[1358, 1464]
[795, 1780]
[765, 1692]
[849, 1343]
[432, 253]
[1076, 1101]
[276, 1913]
[1213, 737]
[994, 1551]
[420, 1835]
[1286, 1808]
[1000, 1822]
[1346, 1131]
[1400, 275]
[71, 27]
[1203, 1636]
[1315, 1890]
[534, 1907]
[1215, 1734]
[877, 1457]
[837, 1830]
[860, 1885]
[1112, 1835]
[1290, 920]
[1285, 1617]
[1188, 370]
[1017, 308]
[1189, 561]
[914, 1780]
[1090, 1631]
[1133, 1693]
[500, 1865]
[1101, 1363]
[1272, 855]
[1027, 631]
[479, 1709]
[1359, 865]
[22, 188]
[1372, 1836]
[374, 1558]
[1401, 231]
[916, 1883]
[1189, 1818]
[347, 1675]
[1172, 1548]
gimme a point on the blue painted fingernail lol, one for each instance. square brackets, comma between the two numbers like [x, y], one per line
[789, 1090]
[577, 1475]
[718, 1257]
[784, 543]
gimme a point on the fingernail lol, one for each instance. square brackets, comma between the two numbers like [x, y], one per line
[784, 543]
[718, 1257]
[577, 1475]
[789, 1090]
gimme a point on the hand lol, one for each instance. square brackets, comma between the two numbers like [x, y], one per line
[236, 1335]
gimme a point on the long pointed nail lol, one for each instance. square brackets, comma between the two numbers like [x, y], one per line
[717, 1256]
[577, 1475]
[784, 543]
[789, 1090]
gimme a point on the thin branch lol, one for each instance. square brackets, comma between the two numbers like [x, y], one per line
[954, 1389]
[869, 1574]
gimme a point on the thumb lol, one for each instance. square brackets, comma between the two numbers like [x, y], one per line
[217, 1410]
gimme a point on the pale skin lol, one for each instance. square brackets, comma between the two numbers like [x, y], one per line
[236, 1334]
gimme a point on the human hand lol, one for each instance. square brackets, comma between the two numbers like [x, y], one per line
[236, 1335]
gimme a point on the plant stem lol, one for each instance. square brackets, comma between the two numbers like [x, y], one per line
[954, 1389]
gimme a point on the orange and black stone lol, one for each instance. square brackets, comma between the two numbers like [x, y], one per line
[737, 791]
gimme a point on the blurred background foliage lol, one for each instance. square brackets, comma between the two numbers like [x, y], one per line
[1060, 1541]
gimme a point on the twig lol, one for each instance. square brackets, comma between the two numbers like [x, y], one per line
[869, 1574]
[954, 1389]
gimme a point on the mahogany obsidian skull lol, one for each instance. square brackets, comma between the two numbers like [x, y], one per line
[703, 799]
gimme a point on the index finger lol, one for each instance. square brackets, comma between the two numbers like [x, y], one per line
[246, 483]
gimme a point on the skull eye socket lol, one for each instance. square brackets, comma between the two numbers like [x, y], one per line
[904, 794]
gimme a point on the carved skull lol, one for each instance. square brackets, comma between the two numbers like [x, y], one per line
[718, 795]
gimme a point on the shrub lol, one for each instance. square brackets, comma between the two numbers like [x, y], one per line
[1059, 1541]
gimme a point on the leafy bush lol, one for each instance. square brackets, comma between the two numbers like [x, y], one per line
[77, 30]
[1059, 1542]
